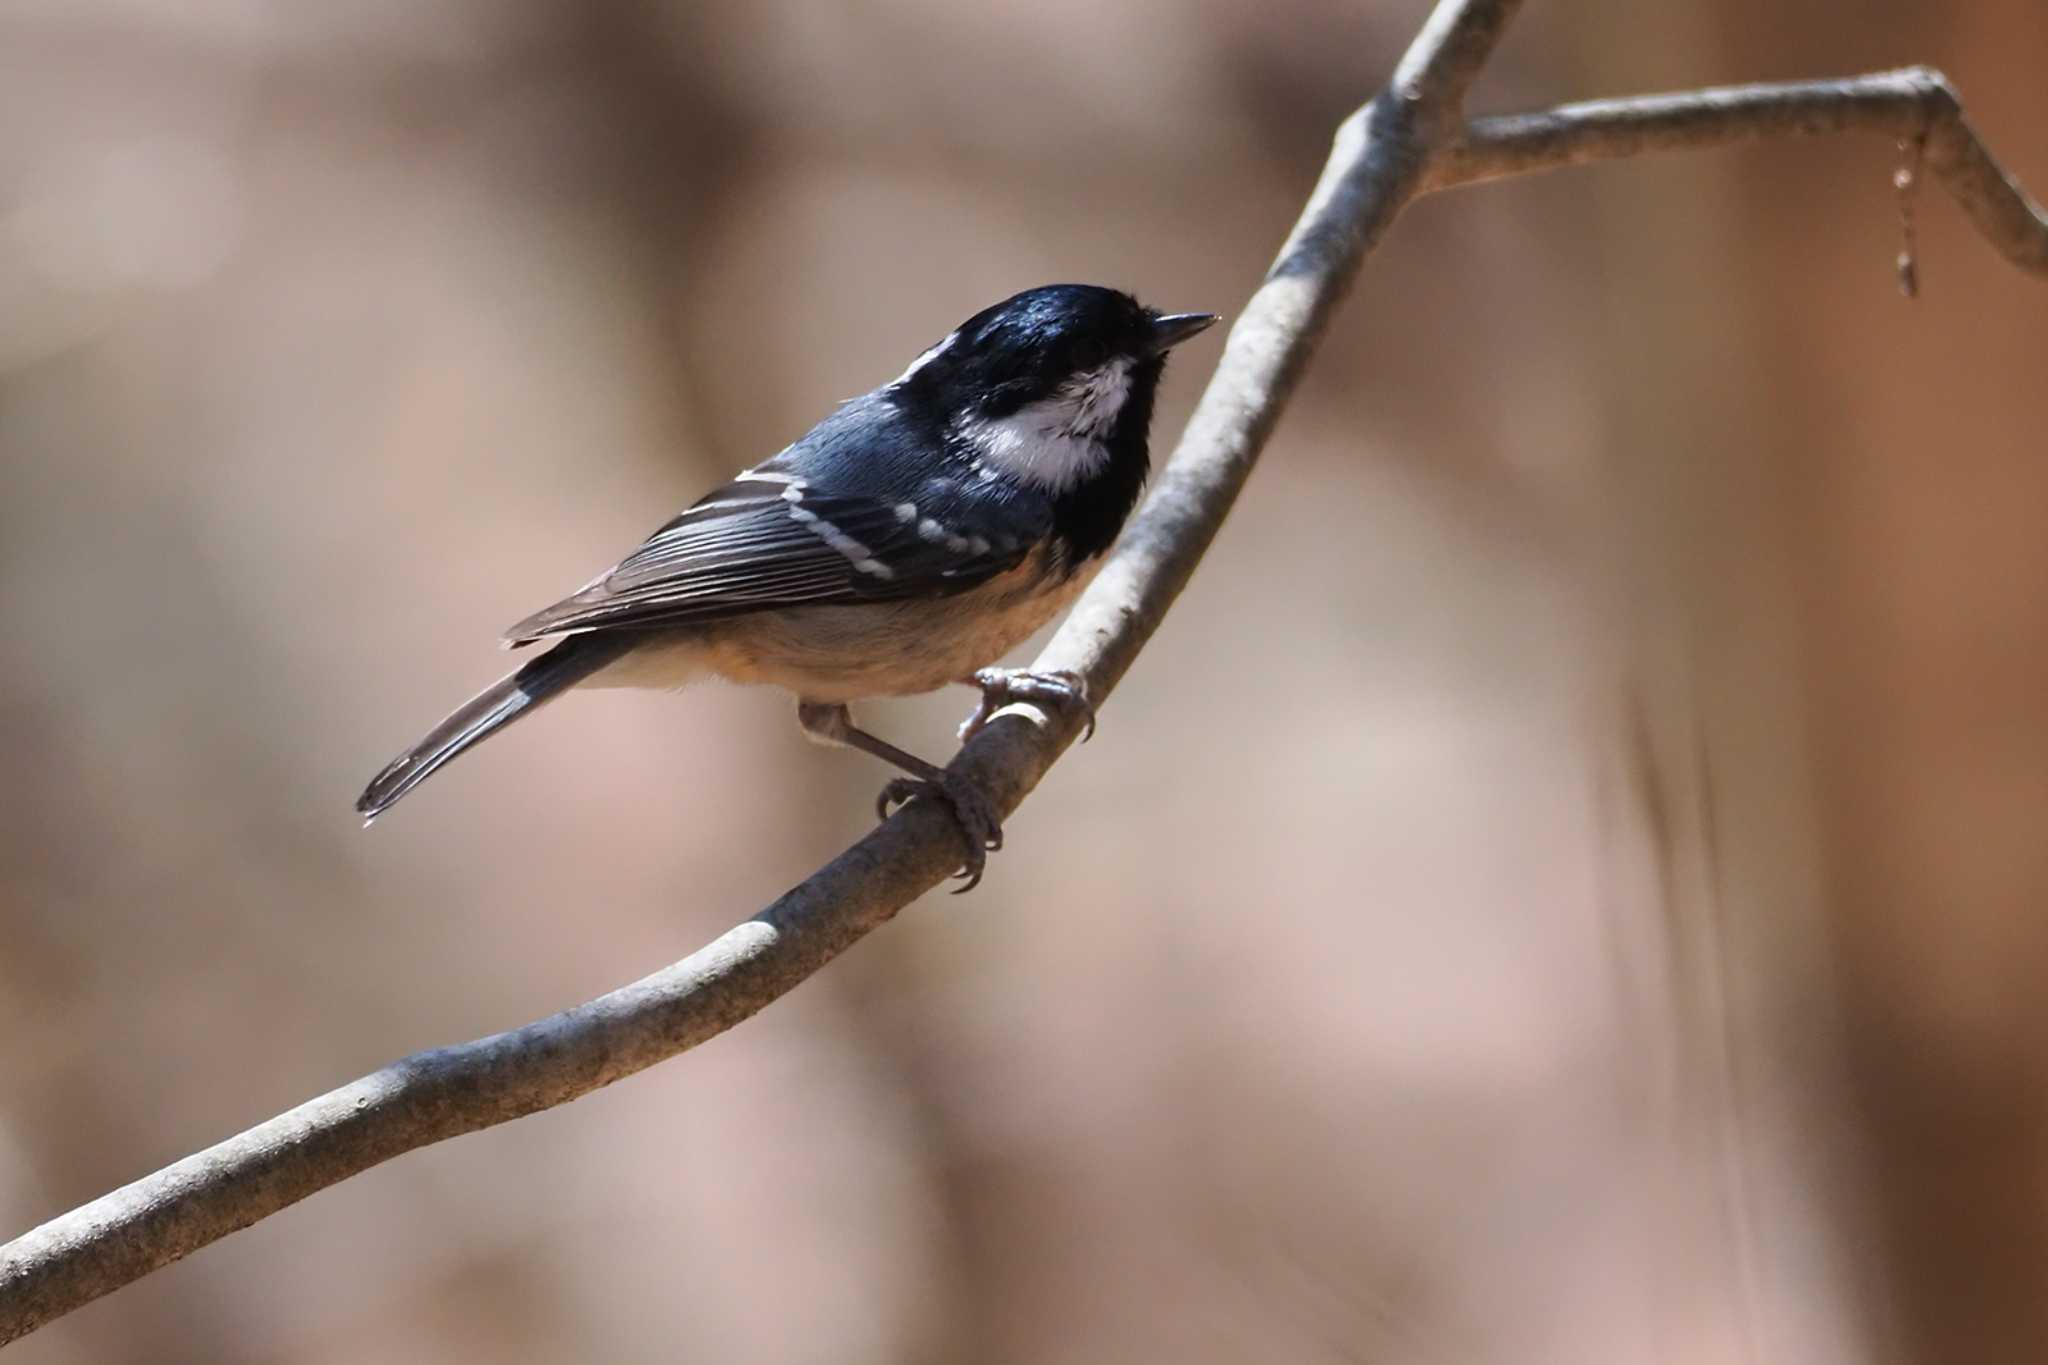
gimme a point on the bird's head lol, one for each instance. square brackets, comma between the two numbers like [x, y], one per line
[1052, 384]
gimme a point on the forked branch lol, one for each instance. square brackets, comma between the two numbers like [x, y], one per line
[1916, 104]
[1411, 139]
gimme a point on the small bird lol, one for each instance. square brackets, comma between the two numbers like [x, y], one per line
[907, 541]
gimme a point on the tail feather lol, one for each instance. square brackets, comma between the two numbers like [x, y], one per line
[488, 712]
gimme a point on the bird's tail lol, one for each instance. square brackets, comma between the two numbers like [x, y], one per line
[488, 712]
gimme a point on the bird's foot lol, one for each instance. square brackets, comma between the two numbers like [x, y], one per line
[1062, 691]
[979, 823]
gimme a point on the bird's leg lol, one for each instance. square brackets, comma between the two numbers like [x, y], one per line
[1054, 691]
[833, 724]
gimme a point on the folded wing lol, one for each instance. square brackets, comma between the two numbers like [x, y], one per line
[768, 541]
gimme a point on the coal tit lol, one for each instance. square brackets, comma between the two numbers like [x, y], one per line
[907, 541]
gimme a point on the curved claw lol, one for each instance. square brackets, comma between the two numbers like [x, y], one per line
[1061, 690]
[894, 792]
[974, 813]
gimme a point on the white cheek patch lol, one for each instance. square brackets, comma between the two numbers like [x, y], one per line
[1098, 398]
[1030, 445]
[1056, 442]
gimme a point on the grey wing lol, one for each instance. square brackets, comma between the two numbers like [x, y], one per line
[758, 545]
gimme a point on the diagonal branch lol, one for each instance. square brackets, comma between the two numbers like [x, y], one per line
[1448, 54]
[1411, 139]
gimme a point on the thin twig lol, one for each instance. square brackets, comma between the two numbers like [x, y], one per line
[1906, 184]
[1404, 143]
[1913, 103]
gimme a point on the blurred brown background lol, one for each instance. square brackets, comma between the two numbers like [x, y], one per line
[1566, 885]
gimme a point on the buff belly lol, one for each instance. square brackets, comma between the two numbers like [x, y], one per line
[843, 654]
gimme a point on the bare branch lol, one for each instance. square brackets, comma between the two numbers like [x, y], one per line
[1448, 54]
[1917, 102]
[1406, 142]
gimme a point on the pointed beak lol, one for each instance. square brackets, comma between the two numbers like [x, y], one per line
[1174, 328]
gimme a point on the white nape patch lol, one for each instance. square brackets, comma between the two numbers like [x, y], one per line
[1057, 441]
[931, 354]
[863, 558]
